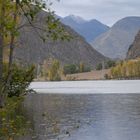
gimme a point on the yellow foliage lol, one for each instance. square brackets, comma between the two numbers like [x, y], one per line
[126, 69]
[51, 70]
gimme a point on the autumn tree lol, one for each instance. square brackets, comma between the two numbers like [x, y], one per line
[126, 69]
[81, 67]
[54, 73]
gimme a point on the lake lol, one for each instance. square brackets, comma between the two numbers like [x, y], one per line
[85, 110]
[88, 87]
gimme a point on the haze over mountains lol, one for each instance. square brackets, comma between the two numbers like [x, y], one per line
[115, 42]
[33, 50]
[88, 29]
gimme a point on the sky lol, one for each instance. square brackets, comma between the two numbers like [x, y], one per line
[106, 11]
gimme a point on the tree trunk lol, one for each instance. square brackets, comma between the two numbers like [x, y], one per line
[1, 58]
[2, 13]
[13, 37]
[11, 46]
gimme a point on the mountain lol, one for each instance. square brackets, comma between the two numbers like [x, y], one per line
[33, 50]
[72, 20]
[115, 42]
[88, 29]
[134, 50]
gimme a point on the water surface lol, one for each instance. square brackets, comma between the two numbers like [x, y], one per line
[84, 117]
[86, 87]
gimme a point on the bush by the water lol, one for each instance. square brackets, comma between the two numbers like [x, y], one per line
[13, 122]
[20, 80]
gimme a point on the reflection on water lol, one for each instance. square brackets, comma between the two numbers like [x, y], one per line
[84, 117]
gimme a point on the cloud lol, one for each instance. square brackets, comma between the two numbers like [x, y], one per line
[107, 11]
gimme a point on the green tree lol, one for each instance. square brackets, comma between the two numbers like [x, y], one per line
[11, 15]
[70, 69]
[12, 120]
[99, 66]
[14, 82]
[110, 64]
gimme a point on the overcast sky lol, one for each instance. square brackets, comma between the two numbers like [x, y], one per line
[106, 11]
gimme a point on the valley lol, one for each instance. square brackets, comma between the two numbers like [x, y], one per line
[69, 74]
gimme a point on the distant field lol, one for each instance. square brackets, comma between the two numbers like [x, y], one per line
[93, 75]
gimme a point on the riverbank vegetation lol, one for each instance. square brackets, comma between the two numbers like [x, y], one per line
[73, 68]
[53, 70]
[126, 70]
[13, 122]
[106, 65]
[130, 69]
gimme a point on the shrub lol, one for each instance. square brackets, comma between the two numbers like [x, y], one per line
[13, 123]
[73, 68]
[12, 120]
[110, 64]
[20, 81]
[99, 66]
[106, 76]
[70, 69]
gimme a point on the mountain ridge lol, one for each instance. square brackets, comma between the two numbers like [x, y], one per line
[33, 51]
[118, 38]
[134, 49]
[89, 29]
